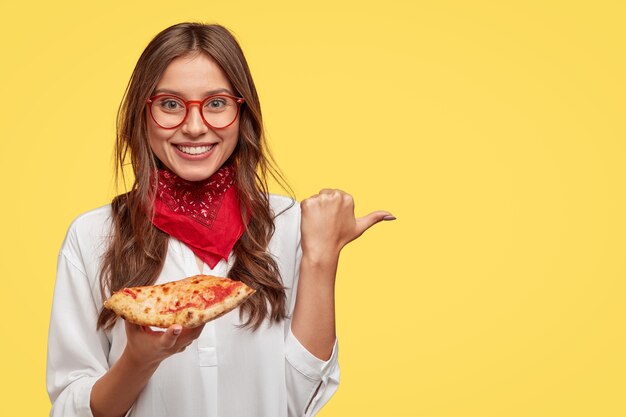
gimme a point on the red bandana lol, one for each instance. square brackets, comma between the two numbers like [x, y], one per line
[204, 215]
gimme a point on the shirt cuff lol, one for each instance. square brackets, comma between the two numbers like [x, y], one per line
[304, 361]
[82, 398]
[74, 400]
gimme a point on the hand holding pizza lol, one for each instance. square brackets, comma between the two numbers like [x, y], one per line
[329, 223]
[150, 347]
[182, 307]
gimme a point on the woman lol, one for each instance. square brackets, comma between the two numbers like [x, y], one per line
[191, 125]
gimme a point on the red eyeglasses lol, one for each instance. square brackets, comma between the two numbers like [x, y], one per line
[218, 111]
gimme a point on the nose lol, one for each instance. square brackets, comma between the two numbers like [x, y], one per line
[194, 124]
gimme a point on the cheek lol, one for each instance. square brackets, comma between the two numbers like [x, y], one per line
[232, 138]
[158, 144]
[156, 139]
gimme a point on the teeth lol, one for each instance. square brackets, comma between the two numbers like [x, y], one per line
[195, 150]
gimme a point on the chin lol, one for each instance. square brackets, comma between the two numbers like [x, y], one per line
[198, 174]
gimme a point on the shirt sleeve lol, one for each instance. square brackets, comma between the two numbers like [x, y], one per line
[77, 352]
[311, 382]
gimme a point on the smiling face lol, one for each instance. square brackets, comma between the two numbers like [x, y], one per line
[193, 150]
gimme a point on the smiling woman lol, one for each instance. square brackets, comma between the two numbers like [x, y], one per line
[193, 138]
[191, 125]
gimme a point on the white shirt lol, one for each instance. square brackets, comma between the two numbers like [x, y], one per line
[226, 372]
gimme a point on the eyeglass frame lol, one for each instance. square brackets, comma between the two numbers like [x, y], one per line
[189, 103]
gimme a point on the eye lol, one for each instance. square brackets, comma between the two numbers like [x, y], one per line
[216, 103]
[170, 104]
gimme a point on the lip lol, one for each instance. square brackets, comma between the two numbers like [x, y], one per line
[194, 144]
[198, 157]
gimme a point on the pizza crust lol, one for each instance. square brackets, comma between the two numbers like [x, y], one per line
[190, 302]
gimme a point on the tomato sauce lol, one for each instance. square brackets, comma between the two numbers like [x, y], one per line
[129, 292]
[201, 302]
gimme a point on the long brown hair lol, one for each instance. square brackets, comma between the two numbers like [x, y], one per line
[136, 251]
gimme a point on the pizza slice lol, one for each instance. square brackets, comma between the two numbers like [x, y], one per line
[189, 302]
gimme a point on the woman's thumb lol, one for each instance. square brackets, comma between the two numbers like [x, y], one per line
[171, 335]
[365, 222]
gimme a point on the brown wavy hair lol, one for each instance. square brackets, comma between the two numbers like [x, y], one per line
[136, 251]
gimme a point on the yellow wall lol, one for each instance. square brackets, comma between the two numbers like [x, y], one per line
[494, 131]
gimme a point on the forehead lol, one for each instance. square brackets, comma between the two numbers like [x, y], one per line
[193, 76]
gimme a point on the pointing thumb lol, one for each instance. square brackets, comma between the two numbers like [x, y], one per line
[365, 222]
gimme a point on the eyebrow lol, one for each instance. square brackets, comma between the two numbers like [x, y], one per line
[206, 93]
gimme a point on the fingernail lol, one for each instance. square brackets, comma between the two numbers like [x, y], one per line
[177, 331]
[389, 218]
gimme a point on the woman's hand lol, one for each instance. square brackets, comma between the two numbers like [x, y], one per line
[148, 347]
[328, 224]
[116, 391]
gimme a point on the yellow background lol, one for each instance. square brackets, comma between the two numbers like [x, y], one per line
[494, 131]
